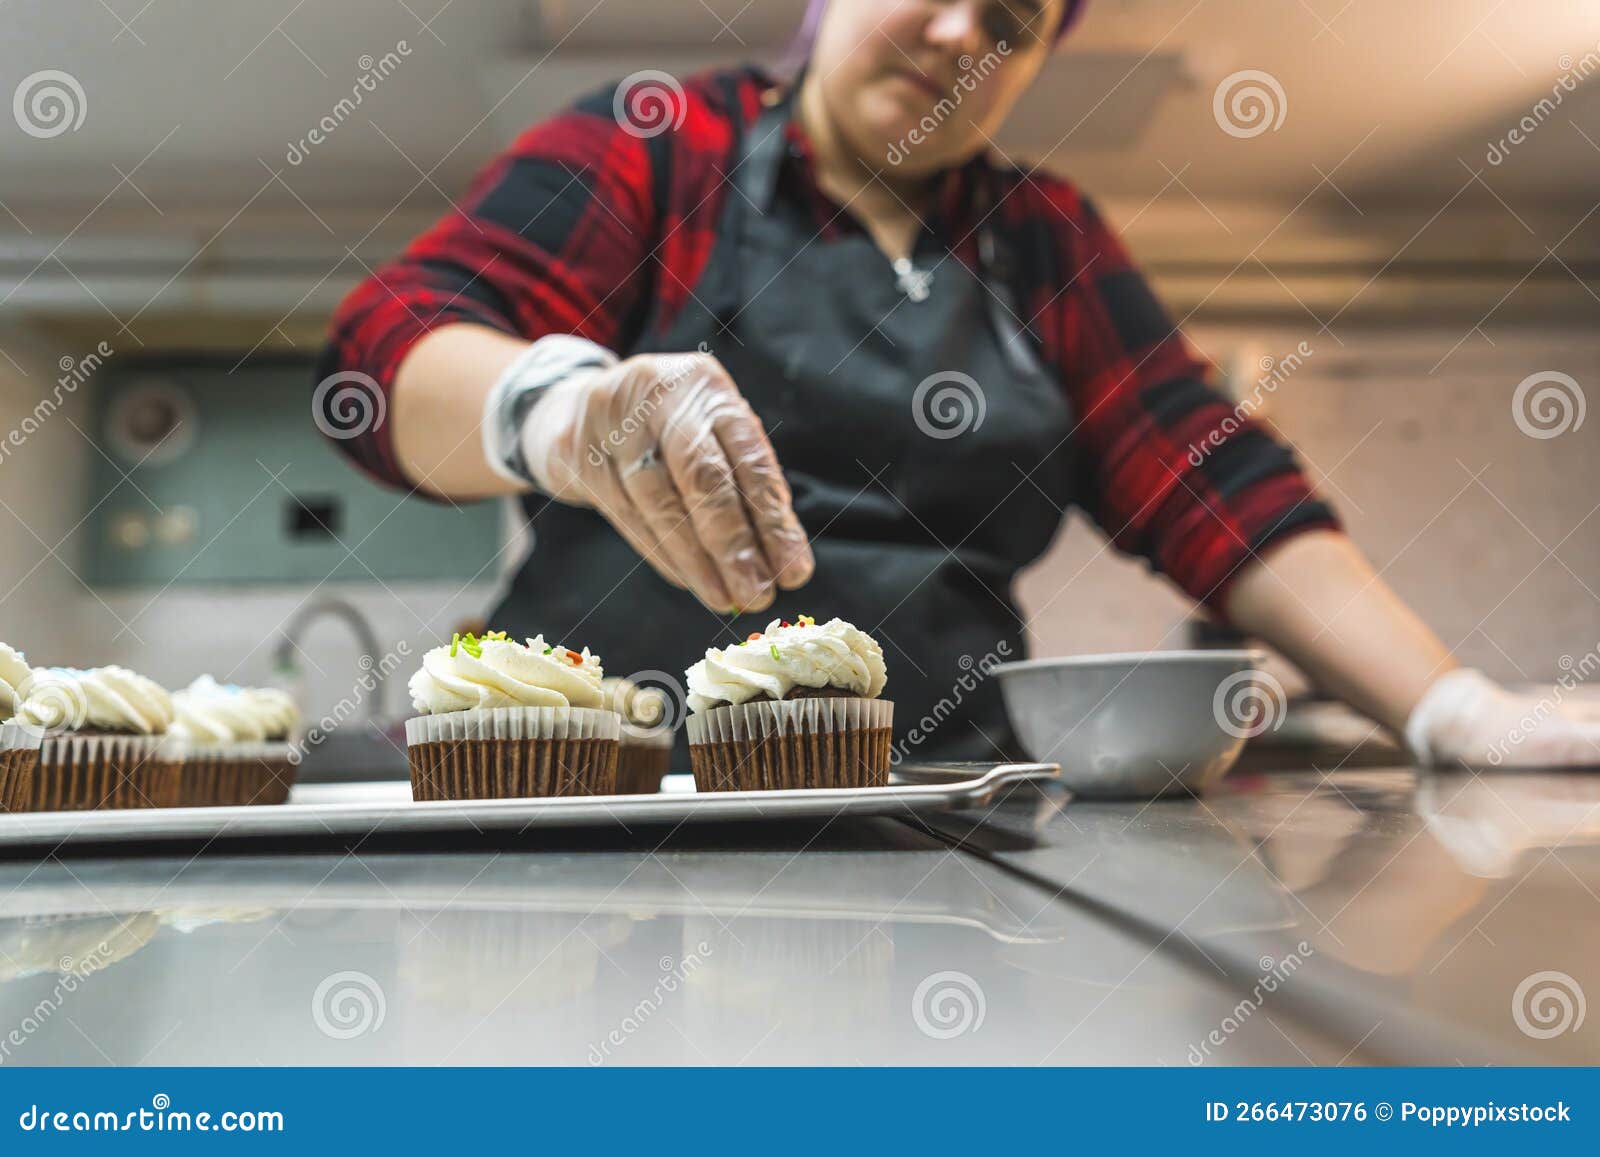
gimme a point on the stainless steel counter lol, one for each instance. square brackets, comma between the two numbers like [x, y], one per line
[1434, 919]
[1284, 920]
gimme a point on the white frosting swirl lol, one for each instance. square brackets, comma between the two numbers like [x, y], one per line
[835, 654]
[104, 698]
[506, 674]
[209, 712]
[278, 712]
[14, 672]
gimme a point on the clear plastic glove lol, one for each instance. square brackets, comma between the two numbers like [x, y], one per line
[668, 450]
[1466, 719]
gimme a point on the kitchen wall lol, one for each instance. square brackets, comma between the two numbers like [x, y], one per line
[50, 611]
[1484, 529]
[44, 465]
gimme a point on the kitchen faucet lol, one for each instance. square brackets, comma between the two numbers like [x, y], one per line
[284, 657]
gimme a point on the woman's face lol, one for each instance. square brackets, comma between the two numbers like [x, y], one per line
[920, 85]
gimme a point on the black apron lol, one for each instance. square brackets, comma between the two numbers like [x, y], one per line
[924, 443]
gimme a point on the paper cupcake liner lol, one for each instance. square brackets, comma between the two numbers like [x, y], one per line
[16, 737]
[794, 743]
[641, 764]
[79, 772]
[237, 775]
[513, 753]
[19, 762]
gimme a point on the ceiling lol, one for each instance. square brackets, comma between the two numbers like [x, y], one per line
[188, 188]
[198, 101]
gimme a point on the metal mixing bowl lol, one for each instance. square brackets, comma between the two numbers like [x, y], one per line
[1138, 725]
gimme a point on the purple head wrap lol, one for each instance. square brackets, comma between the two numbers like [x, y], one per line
[800, 49]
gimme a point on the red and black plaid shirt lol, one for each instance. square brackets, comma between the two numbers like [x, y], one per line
[581, 227]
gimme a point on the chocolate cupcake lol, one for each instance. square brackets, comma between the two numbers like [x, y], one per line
[238, 743]
[645, 754]
[500, 719]
[19, 745]
[795, 706]
[105, 740]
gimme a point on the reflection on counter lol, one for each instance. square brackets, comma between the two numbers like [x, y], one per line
[79, 945]
[876, 945]
[73, 946]
[480, 962]
[1453, 892]
[1488, 822]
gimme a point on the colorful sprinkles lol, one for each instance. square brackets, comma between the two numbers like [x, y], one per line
[757, 636]
[473, 645]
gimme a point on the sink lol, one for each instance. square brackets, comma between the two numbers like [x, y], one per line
[358, 752]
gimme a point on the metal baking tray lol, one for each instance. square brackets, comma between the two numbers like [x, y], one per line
[360, 811]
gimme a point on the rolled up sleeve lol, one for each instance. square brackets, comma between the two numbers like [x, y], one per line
[1170, 469]
[550, 238]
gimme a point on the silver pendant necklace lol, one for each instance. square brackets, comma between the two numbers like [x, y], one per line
[913, 282]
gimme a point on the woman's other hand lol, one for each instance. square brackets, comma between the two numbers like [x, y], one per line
[1467, 719]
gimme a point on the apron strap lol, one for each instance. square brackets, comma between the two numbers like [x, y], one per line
[752, 181]
[760, 153]
[997, 271]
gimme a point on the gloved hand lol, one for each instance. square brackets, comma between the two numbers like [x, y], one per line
[1467, 719]
[669, 452]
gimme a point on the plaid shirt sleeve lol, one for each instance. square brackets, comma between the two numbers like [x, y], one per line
[554, 236]
[1170, 471]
